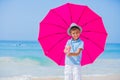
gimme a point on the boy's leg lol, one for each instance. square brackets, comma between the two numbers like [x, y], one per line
[68, 72]
[77, 72]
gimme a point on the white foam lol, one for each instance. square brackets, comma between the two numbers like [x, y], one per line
[13, 60]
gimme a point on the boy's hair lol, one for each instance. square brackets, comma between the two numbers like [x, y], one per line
[74, 28]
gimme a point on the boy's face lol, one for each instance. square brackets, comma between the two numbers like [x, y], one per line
[75, 34]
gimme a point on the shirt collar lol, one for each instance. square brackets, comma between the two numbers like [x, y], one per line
[74, 41]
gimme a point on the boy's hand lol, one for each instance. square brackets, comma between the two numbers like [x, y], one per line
[67, 49]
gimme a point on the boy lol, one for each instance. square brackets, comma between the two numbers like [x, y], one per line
[73, 51]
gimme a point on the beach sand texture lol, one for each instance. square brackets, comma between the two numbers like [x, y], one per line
[102, 77]
[108, 77]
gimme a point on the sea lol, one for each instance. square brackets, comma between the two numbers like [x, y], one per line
[26, 58]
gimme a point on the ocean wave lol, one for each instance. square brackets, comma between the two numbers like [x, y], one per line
[17, 61]
[11, 66]
[27, 61]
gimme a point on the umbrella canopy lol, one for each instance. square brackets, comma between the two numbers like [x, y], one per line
[53, 32]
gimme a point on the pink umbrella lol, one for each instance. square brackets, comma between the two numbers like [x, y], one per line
[53, 32]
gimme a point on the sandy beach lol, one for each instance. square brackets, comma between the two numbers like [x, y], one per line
[102, 77]
[107, 77]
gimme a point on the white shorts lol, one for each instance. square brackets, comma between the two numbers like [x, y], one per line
[72, 72]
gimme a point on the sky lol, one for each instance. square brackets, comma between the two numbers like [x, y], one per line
[19, 19]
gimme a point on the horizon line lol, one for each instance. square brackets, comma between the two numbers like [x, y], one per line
[37, 41]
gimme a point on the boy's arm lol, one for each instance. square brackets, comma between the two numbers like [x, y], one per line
[65, 51]
[75, 53]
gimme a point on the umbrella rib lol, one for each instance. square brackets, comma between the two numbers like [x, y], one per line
[57, 43]
[90, 21]
[54, 46]
[81, 15]
[95, 32]
[70, 12]
[62, 27]
[93, 42]
[51, 35]
[60, 17]
[89, 56]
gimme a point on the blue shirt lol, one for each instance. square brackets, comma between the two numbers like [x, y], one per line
[74, 44]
